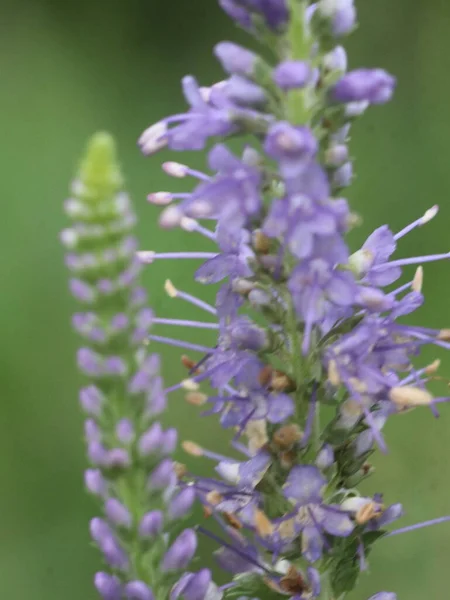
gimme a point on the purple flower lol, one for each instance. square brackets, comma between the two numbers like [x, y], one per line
[194, 128]
[340, 13]
[237, 13]
[292, 147]
[304, 488]
[371, 85]
[108, 586]
[316, 286]
[291, 74]
[196, 586]
[181, 552]
[138, 590]
[235, 59]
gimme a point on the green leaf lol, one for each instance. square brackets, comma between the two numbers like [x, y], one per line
[251, 585]
[344, 576]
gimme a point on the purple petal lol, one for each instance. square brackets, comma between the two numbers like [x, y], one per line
[304, 485]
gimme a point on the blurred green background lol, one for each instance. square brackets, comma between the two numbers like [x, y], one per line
[68, 69]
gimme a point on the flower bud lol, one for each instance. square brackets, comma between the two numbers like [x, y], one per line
[325, 457]
[117, 513]
[375, 86]
[138, 590]
[181, 504]
[150, 442]
[151, 524]
[181, 552]
[291, 74]
[95, 482]
[108, 586]
[162, 476]
[235, 59]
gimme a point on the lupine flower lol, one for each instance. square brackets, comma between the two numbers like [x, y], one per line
[300, 320]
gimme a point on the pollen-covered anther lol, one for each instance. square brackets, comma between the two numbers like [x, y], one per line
[429, 214]
[261, 243]
[175, 169]
[265, 375]
[417, 281]
[288, 459]
[408, 396]
[242, 286]
[160, 198]
[293, 582]
[232, 520]
[196, 398]
[333, 373]
[433, 367]
[180, 470]
[188, 224]
[263, 524]
[170, 289]
[286, 529]
[190, 385]
[214, 498]
[369, 511]
[358, 385]
[192, 448]
[287, 436]
[190, 364]
[146, 256]
[280, 382]
[444, 335]
[256, 432]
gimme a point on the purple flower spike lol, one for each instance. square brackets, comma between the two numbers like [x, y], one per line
[291, 74]
[235, 59]
[375, 86]
[181, 552]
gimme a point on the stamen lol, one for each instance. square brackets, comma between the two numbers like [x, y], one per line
[196, 398]
[178, 170]
[429, 214]
[189, 224]
[178, 343]
[195, 450]
[244, 556]
[148, 256]
[417, 281]
[173, 292]
[410, 261]
[419, 526]
[164, 198]
[410, 397]
[186, 323]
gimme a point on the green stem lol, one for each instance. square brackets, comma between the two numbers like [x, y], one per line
[296, 356]
[299, 48]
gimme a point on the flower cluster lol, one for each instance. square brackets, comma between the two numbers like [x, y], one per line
[302, 322]
[131, 470]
